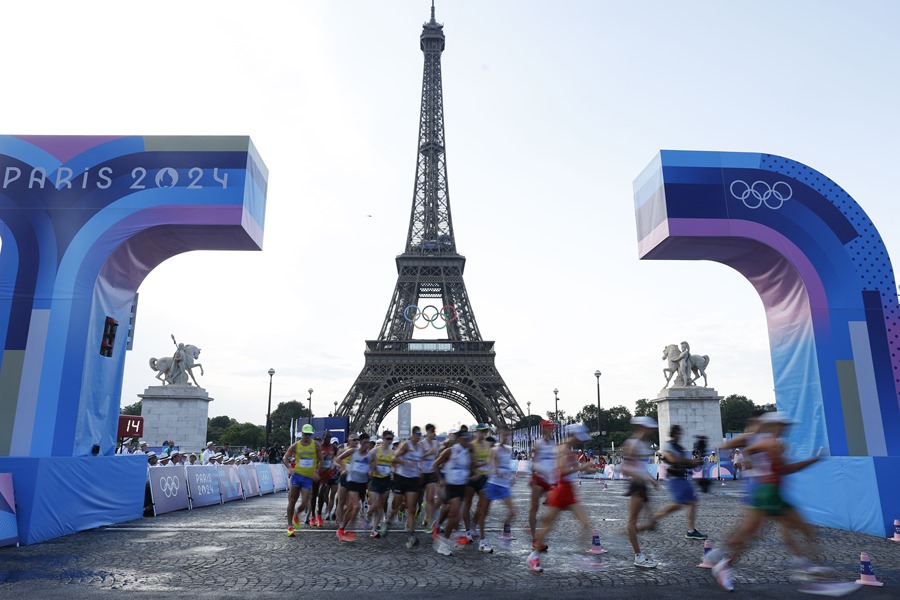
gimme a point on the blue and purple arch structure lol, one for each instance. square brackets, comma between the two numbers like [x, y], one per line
[830, 299]
[83, 220]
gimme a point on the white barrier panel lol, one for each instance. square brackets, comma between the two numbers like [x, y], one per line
[168, 489]
[203, 485]
[229, 483]
[524, 466]
[264, 476]
[249, 481]
[279, 476]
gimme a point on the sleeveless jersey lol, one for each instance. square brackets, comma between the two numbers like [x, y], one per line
[459, 467]
[383, 462]
[545, 461]
[327, 458]
[409, 462]
[358, 467]
[428, 461]
[306, 459]
[504, 474]
[480, 456]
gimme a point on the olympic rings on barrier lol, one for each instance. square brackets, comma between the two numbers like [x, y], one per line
[169, 486]
[443, 314]
[761, 192]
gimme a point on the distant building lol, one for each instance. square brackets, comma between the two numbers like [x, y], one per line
[404, 420]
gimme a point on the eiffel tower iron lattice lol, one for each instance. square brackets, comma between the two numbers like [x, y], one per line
[461, 367]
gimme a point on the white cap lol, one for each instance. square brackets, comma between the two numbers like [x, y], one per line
[334, 440]
[453, 431]
[647, 422]
[142, 443]
[580, 432]
[209, 443]
[151, 454]
[775, 417]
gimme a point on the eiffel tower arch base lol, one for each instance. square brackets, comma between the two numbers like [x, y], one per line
[461, 372]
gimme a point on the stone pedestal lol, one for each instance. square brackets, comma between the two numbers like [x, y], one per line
[175, 412]
[695, 408]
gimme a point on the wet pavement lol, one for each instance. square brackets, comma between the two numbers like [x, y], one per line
[240, 550]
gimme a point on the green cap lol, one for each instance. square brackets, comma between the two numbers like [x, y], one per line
[482, 427]
[307, 429]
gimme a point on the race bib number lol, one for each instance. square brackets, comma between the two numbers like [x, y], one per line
[327, 463]
[383, 469]
[306, 463]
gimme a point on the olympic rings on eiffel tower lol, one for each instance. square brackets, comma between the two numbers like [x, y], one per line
[412, 313]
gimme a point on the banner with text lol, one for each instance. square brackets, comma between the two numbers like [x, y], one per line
[279, 476]
[203, 484]
[264, 477]
[249, 481]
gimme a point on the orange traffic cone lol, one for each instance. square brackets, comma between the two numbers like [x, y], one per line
[706, 564]
[896, 537]
[596, 546]
[866, 572]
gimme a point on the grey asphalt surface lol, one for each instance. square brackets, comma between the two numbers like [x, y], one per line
[240, 550]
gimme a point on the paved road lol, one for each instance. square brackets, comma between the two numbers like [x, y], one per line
[240, 550]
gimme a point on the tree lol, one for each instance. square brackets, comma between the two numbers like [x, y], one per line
[132, 409]
[735, 412]
[281, 421]
[216, 426]
[528, 421]
[646, 408]
[244, 435]
[551, 416]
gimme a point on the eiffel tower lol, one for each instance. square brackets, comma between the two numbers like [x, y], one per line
[460, 368]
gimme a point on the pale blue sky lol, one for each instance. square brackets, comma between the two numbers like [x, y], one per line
[552, 109]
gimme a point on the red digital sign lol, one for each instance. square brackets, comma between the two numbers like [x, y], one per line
[131, 426]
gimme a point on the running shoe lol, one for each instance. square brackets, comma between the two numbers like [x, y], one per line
[483, 547]
[434, 532]
[348, 536]
[534, 563]
[290, 532]
[693, 534]
[722, 572]
[384, 528]
[340, 532]
[644, 562]
[296, 521]
[441, 547]
[411, 542]
[543, 547]
[588, 564]
[462, 540]
[374, 534]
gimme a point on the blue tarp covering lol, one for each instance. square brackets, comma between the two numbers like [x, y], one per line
[62, 495]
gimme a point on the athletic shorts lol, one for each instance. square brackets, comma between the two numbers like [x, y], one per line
[326, 475]
[537, 480]
[454, 491]
[682, 491]
[380, 485]
[562, 496]
[767, 498]
[492, 491]
[639, 489]
[429, 478]
[342, 480]
[301, 481]
[478, 483]
[406, 485]
[354, 486]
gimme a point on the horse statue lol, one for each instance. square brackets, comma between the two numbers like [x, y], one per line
[682, 364]
[175, 370]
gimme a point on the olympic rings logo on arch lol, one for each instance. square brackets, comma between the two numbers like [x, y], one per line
[413, 314]
[755, 194]
[169, 486]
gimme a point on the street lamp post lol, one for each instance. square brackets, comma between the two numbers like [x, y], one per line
[529, 426]
[269, 411]
[335, 408]
[597, 374]
[556, 411]
[309, 401]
